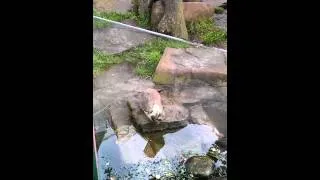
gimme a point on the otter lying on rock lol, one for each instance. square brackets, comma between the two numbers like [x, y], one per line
[150, 112]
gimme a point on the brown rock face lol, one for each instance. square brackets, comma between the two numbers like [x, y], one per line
[194, 11]
[191, 63]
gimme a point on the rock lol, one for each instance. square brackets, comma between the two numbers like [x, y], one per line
[198, 115]
[222, 144]
[221, 20]
[191, 0]
[116, 39]
[120, 6]
[216, 3]
[194, 11]
[157, 13]
[120, 120]
[191, 63]
[196, 92]
[217, 112]
[200, 166]
[219, 178]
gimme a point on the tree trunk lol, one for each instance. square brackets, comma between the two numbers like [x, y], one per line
[144, 6]
[173, 21]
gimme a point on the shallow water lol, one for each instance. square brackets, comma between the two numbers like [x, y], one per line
[133, 159]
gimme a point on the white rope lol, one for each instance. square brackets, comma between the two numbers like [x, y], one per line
[155, 33]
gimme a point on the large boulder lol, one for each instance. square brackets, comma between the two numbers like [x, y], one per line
[194, 11]
[207, 64]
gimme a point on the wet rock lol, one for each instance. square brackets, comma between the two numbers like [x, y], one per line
[191, 63]
[194, 11]
[198, 115]
[200, 166]
[120, 120]
[219, 178]
[217, 112]
[222, 144]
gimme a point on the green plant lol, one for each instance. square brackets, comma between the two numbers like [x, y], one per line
[102, 61]
[145, 57]
[142, 20]
[114, 16]
[218, 10]
[206, 31]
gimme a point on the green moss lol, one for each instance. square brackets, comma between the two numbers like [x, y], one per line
[102, 61]
[218, 10]
[144, 57]
[206, 31]
[114, 16]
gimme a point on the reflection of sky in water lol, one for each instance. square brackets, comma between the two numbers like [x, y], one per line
[129, 156]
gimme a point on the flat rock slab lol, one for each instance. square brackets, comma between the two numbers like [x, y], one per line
[116, 39]
[120, 6]
[207, 64]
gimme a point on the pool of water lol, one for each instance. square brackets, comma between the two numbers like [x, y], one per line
[152, 154]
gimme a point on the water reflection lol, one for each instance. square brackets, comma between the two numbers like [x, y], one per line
[156, 153]
[155, 141]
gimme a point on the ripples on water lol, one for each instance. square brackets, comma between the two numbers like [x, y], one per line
[157, 153]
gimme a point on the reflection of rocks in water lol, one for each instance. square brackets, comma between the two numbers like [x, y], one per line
[155, 143]
[129, 160]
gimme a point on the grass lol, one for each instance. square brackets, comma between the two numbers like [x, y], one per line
[218, 10]
[206, 31]
[142, 21]
[145, 57]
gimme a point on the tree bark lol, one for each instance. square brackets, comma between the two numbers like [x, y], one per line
[173, 21]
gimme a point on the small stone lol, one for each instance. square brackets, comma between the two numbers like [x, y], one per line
[200, 166]
[157, 176]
